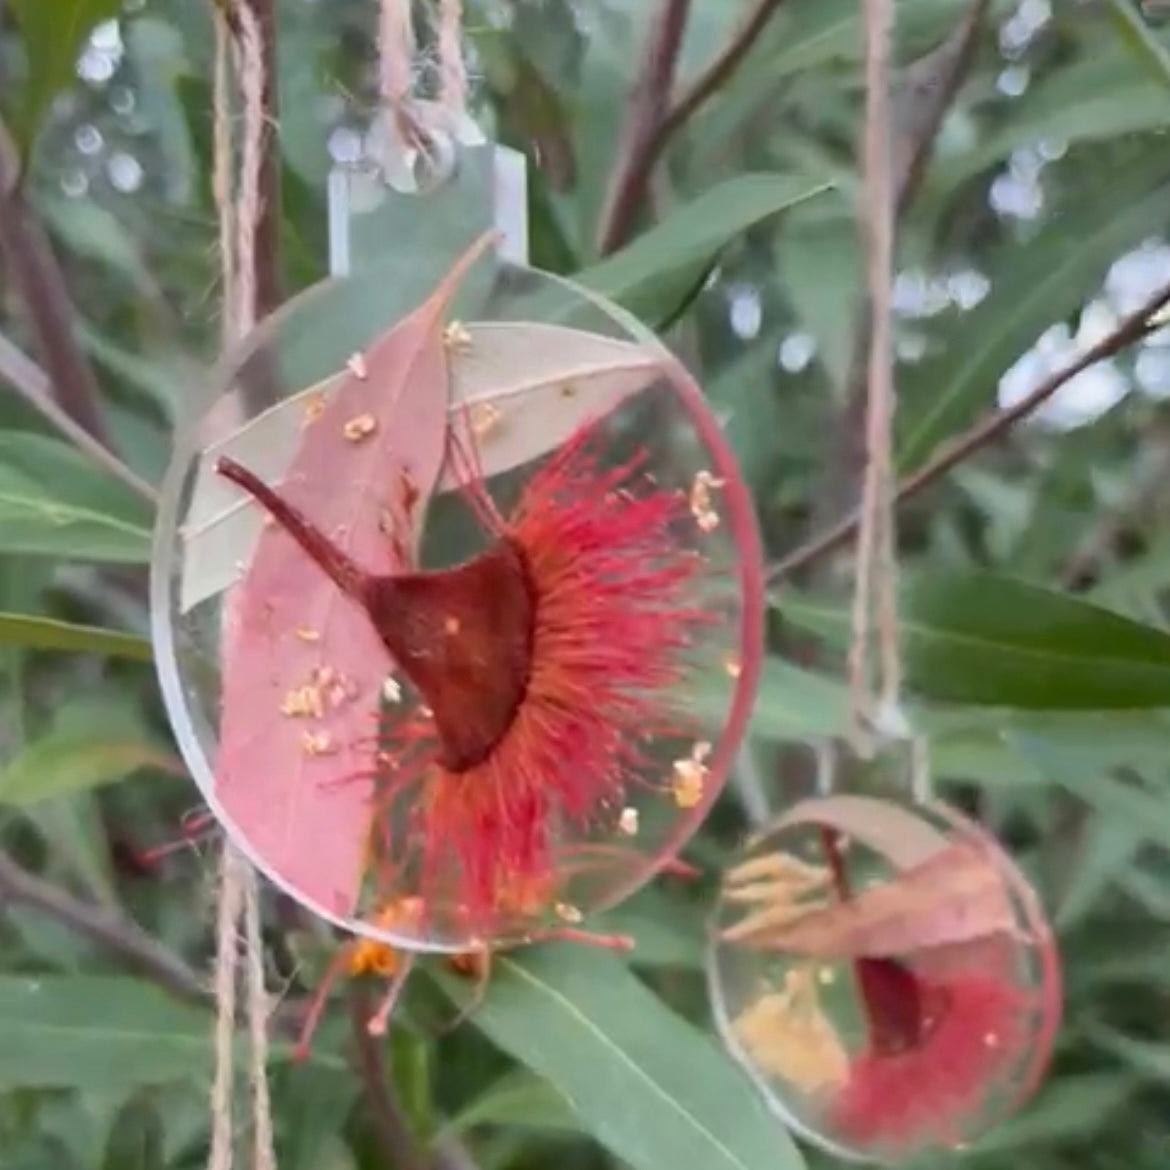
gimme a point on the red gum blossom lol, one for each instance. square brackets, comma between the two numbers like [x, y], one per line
[543, 662]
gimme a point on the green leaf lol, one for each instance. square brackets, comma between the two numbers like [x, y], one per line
[55, 502]
[1144, 808]
[96, 1033]
[1139, 38]
[1071, 1108]
[137, 1138]
[646, 276]
[68, 761]
[1150, 1059]
[40, 633]
[1033, 285]
[54, 33]
[987, 640]
[643, 1081]
[517, 1099]
[1100, 98]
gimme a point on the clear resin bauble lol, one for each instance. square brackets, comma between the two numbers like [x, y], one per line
[457, 603]
[885, 974]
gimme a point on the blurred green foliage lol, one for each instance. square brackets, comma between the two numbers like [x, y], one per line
[1046, 713]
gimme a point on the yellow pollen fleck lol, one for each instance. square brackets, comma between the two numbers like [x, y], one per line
[307, 634]
[357, 366]
[826, 976]
[302, 701]
[391, 691]
[372, 958]
[690, 777]
[456, 337]
[314, 407]
[360, 427]
[317, 743]
[628, 822]
[567, 912]
[702, 507]
[484, 419]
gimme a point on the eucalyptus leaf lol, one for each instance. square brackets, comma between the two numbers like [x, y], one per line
[646, 276]
[42, 633]
[643, 1081]
[54, 32]
[984, 639]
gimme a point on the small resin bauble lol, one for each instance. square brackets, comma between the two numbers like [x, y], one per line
[885, 974]
[457, 602]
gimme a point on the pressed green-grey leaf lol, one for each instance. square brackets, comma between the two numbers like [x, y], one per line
[679, 248]
[643, 1081]
[53, 33]
[40, 633]
[988, 640]
[1032, 285]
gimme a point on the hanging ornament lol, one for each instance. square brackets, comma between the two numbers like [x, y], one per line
[878, 964]
[457, 589]
[884, 971]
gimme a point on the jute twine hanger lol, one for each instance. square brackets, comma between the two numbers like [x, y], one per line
[240, 79]
[875, 663]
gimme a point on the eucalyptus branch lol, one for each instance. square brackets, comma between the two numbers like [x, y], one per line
[645, 112]
[1129, 330]
[41, 284]
[713, 78]
[654, 119]
[109, 930]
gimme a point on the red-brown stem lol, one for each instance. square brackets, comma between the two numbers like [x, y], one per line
[349, 577]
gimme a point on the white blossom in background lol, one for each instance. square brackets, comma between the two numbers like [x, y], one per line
[1013, 81]
[102, 54]
[745, 311]
[124, 171]
[1136, 276]
[796, 351]
[1152, 371]
[1083, 399]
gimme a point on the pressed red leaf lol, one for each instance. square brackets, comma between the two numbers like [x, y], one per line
[303, 666]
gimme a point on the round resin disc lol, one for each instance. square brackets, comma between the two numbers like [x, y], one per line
[499, 676]
[885, 974]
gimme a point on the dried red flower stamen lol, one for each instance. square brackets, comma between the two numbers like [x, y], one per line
[542, 663]
[934, 1044]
